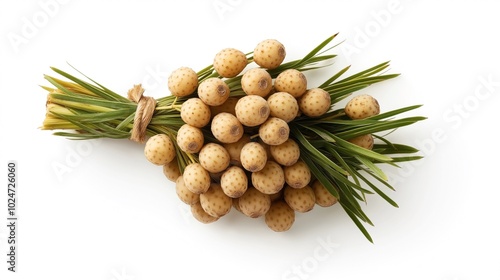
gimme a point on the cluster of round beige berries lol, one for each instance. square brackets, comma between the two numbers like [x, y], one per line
[254, 166]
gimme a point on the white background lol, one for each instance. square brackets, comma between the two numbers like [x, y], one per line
[113, 216]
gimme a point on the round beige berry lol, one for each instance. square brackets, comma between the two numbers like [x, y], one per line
[292, 81]
[301, 200]
[195, 112]
[182, 81]
[234, 182]
[226, 107]
[184, 194]
[286, 153]
[230, 62]
[159, 149]
[323, 197]
[362, 107]
[270, 179]
[196, 178]
[256, 81]
[274, 131]
[234, 149]
[365, 141]
[200, 214]
[280, 216]
[215, 202]
[253, 157]
[190, 139]
[252, 110]
[269, 53]
[171, 170]
[213, 91]
[315, 102]
[297, 175]
[214, 157]
[283, 105]
[254, 204]
[226, 128]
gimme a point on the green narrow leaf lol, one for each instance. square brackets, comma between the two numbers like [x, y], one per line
[317, 49]
[355, 149]
[370, 165]
[361, 167]
[334, 77]
[107, 91]
[395, 112]
[356, 221]
[318, 155]
[377, 190]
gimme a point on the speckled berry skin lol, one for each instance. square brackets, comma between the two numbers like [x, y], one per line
[254, 203]
[159, 149]
[230, 62]
[196, 178]
[253, 157]
[274, 131]
[292, 81]
[252, 110]
[269, 53]
[195, 112]
[257, 81]
[215, 202]
[301, 200]
[190, 139]
[286, 153]
[234, 182]
[214, 157]
[182, 81]
[213, 91]
[200, 214]
[366, 141]
[280, 216]
[283, 105]
[362, 107]
[297, 175]
[315, 102]
[184, 194]
[270, 179]
[226, 128]
[323, 197]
